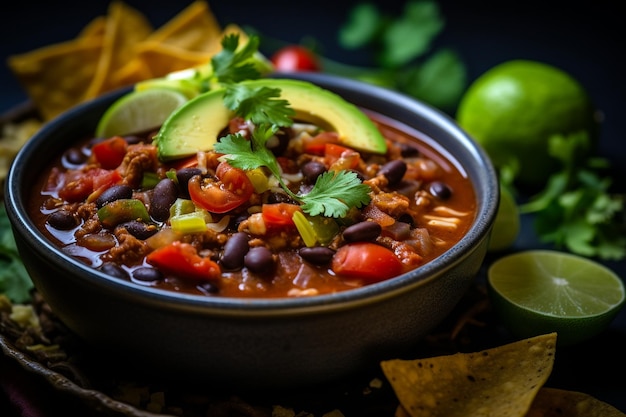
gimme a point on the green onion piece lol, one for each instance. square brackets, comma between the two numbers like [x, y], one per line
[122, 210]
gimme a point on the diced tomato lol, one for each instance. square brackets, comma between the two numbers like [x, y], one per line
[182, 260]
[366, 261]
[316, 145]
[342, 156]
[79, 185]
[279, 214]
[232, 189]
[110, 152]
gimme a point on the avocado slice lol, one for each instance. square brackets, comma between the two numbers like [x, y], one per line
[195, 126]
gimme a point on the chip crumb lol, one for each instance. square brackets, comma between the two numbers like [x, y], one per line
[334, 413]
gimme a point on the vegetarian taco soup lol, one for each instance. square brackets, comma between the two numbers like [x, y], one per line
[263, 188]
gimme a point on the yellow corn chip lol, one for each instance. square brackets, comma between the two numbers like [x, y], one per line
[125, 28]
[193, 29]
[552, 402]
[56, 77]
[498, 382]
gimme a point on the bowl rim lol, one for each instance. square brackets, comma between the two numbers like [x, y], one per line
[234, 306]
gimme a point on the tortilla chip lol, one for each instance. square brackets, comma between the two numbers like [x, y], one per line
[497, 382]
[43, 73]
[125, 28]
[193, 29]
[552, 402]
[94, 29]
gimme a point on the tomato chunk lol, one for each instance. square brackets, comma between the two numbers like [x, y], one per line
[232, 189]
[366, 261]
[110, 152]
[182, 260]
[279, 214]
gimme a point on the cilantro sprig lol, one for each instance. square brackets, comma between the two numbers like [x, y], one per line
[333, 194]
[576, 209]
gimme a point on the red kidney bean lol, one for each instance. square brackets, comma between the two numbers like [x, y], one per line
[259, 259]
[362, 232]
[440, 190]
[393, 171]
[235, 250]
[163, 196]
[317, 255]
[116, 192]
[62, 220]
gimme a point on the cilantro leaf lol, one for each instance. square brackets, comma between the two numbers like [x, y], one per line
[420, 23]
[576, 209]
[362, 27]
[15, 282]
[232, 65]
[335, 193]
[259, 105]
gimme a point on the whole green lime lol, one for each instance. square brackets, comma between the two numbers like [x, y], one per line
[514, 108]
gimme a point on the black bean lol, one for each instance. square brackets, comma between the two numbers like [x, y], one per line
[313, 169]
[361, 232]
[259, 259]
[209, 288]
[133, 139]
[114, 270]
[163, 196]
[407, 150]
[74, 156]
[318, 255]
[183, 175]
[139, 229]
[116, 192]
[279, 197]
[235, 251]
[147, 274]
[62, 220]
[393, 171]
[440, 190]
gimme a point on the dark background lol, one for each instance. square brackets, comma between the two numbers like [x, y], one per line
[583, 38]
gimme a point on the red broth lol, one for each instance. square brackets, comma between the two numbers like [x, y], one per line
[410, 220]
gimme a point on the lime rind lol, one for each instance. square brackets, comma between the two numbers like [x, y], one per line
[139, 111]
[540, 291]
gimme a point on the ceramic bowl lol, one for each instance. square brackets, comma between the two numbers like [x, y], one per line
[254, 342]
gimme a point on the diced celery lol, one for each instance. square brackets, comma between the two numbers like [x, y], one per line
[304, 228]
[182, 206]
[259, 180]
[194, 222]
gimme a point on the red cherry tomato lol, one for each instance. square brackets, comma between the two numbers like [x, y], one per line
[366, 261]
[294, 58]
[182, 259]
[232, 189]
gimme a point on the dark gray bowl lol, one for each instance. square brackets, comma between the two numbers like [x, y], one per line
[258, 342]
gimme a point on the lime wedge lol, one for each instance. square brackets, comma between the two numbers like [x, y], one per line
[139, 111]
[541, 291]
[507, 224]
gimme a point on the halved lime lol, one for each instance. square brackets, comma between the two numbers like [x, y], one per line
[507, 224]
[541, 291]
[139, 111]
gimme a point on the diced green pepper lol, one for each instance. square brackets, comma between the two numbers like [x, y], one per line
[315, 229]
[122, 210]
[194, 222]
[182, 206]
